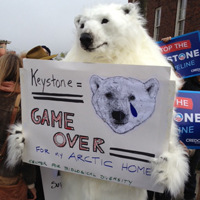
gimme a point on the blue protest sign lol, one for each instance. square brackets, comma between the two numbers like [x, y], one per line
[188, 118]
[184, 52]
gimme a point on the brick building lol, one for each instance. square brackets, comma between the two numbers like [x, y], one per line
[171, 17]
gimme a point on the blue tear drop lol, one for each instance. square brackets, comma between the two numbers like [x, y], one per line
[133, 111]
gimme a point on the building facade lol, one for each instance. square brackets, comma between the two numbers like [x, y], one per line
[171, 17]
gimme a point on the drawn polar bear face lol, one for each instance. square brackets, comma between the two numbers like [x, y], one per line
[123, 103]
[108, 28]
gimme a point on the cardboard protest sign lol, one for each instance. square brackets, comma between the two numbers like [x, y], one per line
[99, 120]
[188, 118]
[184, 52]
[51, 181]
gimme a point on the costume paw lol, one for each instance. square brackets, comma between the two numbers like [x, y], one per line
[160, 168]
[161, 160]
[171, 170]
[15, 145]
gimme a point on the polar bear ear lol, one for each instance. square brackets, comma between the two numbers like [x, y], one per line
[77, 20]
[128, 7]
[133, 10]
[152, 87]
[95, 82]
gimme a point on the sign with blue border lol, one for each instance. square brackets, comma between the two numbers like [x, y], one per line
[184, 52]
[188, 118]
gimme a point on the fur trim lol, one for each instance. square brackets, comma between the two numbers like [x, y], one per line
[172, 169]
[15, 146]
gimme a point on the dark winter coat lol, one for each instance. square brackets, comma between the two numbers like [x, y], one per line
[6, 108]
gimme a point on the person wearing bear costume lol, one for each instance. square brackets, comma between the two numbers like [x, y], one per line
[116, 34]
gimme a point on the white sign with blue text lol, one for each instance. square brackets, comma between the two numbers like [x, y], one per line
[99, 120]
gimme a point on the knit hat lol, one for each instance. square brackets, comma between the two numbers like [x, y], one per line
[39, 53]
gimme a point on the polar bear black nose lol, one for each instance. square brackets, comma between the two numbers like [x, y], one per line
[118, 115]
[86, 40]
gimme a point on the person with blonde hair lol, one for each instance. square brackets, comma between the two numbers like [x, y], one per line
[15, 180]
[9, 71]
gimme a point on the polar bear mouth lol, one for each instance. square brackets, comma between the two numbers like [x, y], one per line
[120, 123]
[90, 49]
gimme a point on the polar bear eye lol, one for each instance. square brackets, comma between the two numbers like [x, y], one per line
[104, 21]
[82, 26]
[132, 97]
[18, 132]
[126, 11]
[108, 95]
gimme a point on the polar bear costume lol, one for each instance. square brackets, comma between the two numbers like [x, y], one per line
[115, 34]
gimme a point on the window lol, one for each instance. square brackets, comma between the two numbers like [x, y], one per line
[157, 23]
[180, 17]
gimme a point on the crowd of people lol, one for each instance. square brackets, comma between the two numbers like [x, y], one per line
[24, 181]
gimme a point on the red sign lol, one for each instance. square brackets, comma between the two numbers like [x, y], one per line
[182, 102]
[177, 46]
